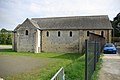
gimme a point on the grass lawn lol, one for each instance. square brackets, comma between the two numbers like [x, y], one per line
[98, 67]
[73, 64]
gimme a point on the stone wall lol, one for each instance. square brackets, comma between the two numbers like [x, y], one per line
[106, 34]
[65, 43]
[62, 43]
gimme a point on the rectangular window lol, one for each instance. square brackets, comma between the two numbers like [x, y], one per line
[58, 33]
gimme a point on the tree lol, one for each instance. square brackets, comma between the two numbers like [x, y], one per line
[9, 39]
[116, 24]
[3, 30]
[117, 18]
[5, 36]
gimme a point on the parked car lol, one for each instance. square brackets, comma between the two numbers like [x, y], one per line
[109, 48]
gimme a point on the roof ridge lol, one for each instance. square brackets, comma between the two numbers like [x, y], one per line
[70, 17]
[34, 23]
[17, 27]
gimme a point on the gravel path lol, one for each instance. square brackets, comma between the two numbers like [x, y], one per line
[5, 46]
[110, 67]
[11, 64]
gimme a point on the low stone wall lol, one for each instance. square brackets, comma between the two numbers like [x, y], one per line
[1, 79]
[117, 43]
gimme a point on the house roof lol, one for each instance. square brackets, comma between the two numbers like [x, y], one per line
[35, 23]
[75, 22]
[17, 27]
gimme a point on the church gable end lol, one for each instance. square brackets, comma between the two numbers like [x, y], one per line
[26, 36]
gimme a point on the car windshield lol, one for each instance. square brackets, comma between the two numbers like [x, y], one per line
[109, 45]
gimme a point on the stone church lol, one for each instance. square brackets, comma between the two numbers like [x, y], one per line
[59, 34]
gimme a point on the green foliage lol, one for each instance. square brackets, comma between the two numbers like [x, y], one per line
[5, 36]
[4, 30]
[114, 25]
[76, 70]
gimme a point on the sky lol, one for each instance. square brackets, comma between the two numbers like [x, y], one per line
[14, 12]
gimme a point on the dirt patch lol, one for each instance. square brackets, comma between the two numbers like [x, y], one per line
[110, 67]
[11, 64]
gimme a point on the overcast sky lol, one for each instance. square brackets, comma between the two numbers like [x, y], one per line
[14, 12]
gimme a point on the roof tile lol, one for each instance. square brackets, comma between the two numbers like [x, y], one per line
[74, 22]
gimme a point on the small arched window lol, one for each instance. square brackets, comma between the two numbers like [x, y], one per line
[47, 34]
[70, 33]
[58, 33]
[26, 32]
[102, 33]
[87, 33]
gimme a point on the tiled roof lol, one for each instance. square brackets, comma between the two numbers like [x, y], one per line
[17, 26]
[74, 22]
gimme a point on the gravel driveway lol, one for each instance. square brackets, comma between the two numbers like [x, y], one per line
[110, 67]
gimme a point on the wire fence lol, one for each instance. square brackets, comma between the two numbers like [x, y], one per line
[92, 54]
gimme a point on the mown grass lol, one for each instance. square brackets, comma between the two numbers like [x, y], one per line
[74, 65]
[98, 67]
